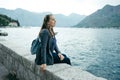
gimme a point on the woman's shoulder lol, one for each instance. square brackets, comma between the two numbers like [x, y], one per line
[45, 31]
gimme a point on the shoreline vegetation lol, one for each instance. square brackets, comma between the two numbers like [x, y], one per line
[6, 21]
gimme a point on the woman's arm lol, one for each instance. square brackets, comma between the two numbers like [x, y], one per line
[44, 40]
[59, 52]
[56, 48]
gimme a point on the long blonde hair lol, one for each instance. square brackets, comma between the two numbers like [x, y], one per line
[45, 26]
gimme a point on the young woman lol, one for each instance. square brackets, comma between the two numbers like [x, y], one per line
[50, 53]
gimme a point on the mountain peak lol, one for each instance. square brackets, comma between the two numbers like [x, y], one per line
[118, 6]
[73, 14]
[108, 16]
[20, 9]
[108, 6]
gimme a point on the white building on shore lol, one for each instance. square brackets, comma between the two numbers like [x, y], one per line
[13, 24]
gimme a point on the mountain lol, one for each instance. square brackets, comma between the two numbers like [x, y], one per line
[108, 16]
[5, 21]
[27, 18]
[67, 21]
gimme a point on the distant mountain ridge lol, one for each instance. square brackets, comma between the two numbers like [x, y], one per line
[108, 16]
[27, 18]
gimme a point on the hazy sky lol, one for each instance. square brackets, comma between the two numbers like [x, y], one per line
[83, 7]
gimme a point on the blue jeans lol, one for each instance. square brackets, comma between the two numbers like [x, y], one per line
[57, 59]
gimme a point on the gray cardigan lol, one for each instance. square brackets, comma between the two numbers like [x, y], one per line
[45, 55]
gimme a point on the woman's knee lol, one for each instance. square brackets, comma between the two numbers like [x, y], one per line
[64, 55]
[67, 60]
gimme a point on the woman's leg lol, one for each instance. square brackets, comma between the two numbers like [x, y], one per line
[66, 60]
[57, 59]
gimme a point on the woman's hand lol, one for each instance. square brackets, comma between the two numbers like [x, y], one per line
[42, 67]
[60, 56]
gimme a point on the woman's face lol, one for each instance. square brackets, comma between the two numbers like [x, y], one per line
[52, 21]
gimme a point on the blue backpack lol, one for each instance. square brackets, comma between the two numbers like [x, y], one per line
[35, 46]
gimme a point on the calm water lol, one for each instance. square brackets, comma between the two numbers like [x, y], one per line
[94, 50]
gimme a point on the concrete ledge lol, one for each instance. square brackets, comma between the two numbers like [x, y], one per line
[19, 59]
